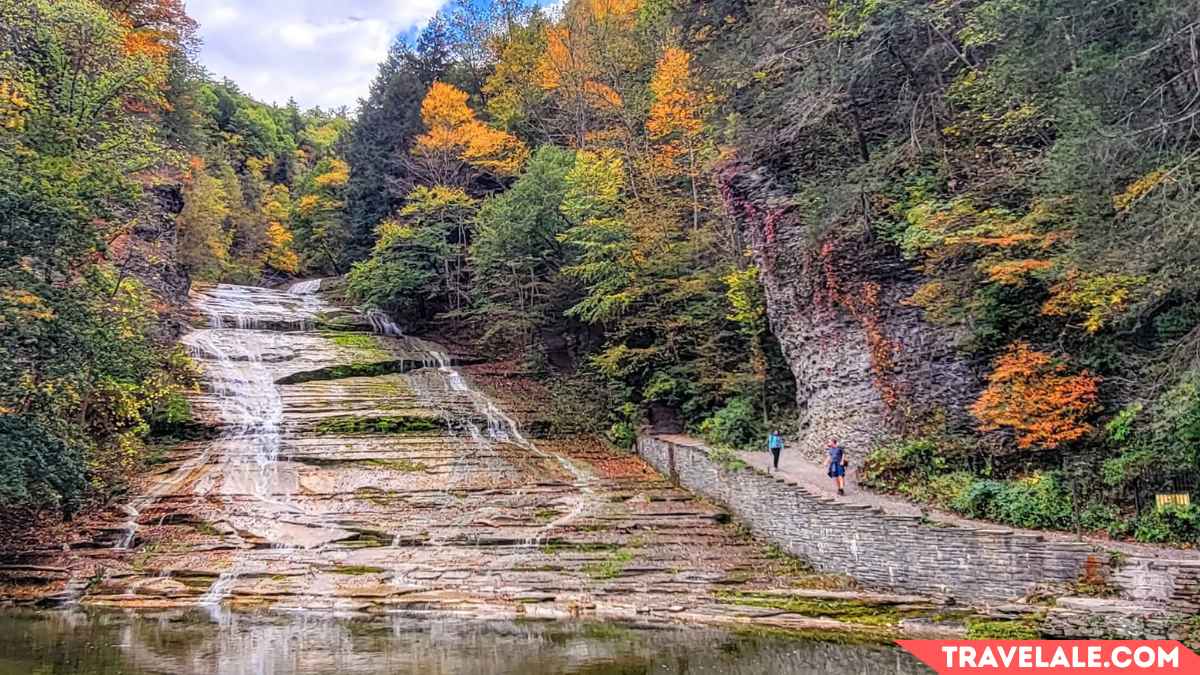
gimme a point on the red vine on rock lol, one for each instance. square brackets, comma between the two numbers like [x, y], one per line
[861, 301]
[761, 225]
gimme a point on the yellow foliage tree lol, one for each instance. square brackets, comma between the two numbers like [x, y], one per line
[203, 245]
[675, 123]
[454, 135]
[337, 175]
[584, 56]
[1097, 298]
[276, 209]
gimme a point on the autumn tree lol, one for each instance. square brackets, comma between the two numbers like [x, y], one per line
[1036, 396]
[588, 54]
[318, 217]
[203, 244]
[280, 251]
[675, 124]
[515, 100]
[416, 268]
[456, 144]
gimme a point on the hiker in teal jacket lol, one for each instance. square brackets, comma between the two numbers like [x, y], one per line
[775, 445]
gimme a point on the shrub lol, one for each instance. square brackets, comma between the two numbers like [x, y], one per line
[1036, 501]
[891, 465]
[945, 489]
[1170, 524]
[622, 435]
[976, 501]
[727, 458]
[1099, 516]
[737, 425]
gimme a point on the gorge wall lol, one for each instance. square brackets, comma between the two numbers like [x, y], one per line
[867, 365]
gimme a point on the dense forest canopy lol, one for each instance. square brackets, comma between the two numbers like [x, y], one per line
[599, 192]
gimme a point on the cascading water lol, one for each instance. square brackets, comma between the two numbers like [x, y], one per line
[383, 324]
[241, 389]
[307, 287]
[246, 397]
[501, 428]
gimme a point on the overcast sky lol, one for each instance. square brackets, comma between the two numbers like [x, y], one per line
[320, 52]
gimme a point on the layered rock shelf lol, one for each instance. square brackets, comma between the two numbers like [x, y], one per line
[355, 471]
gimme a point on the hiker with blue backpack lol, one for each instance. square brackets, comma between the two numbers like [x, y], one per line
[835, 465]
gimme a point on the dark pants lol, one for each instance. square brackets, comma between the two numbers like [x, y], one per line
[775, 453]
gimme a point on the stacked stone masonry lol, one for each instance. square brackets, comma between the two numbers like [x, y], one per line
[976, 566]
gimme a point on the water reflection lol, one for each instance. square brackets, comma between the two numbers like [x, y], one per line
[106, 643]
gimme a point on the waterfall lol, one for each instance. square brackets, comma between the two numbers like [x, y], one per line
[501, 427]
[383, 324]
[245, 395]
[307, 287]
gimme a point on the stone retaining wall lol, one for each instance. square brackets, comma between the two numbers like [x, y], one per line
[985, 565]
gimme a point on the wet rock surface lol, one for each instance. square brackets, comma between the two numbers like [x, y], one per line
[407, 491]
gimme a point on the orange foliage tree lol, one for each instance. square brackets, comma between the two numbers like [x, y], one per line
[1034, 394]
[674, 123]
[454, 136]
[588, 53]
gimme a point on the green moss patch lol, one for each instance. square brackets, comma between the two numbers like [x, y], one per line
[361, 369]
[850, 611]
[555, 548]
[401, 465]
[390, 424]
[988, 629]
[366, 342]
[355, 570]
[611, 567]
[374, 496]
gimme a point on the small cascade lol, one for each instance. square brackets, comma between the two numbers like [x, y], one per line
[501, 427]
[383, 324]
[248, 308]
[71, 593]
[220, 589]
[131, 528]
[306, 287]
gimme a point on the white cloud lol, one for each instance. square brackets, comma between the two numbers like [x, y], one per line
[319, 52]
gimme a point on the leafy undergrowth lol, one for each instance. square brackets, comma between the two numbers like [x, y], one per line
[931, 470]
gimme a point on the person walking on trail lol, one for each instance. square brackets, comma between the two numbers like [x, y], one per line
[775, 445]
[835, 465]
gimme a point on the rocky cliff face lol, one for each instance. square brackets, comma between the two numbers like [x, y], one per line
[148, 254]
[867, 365]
